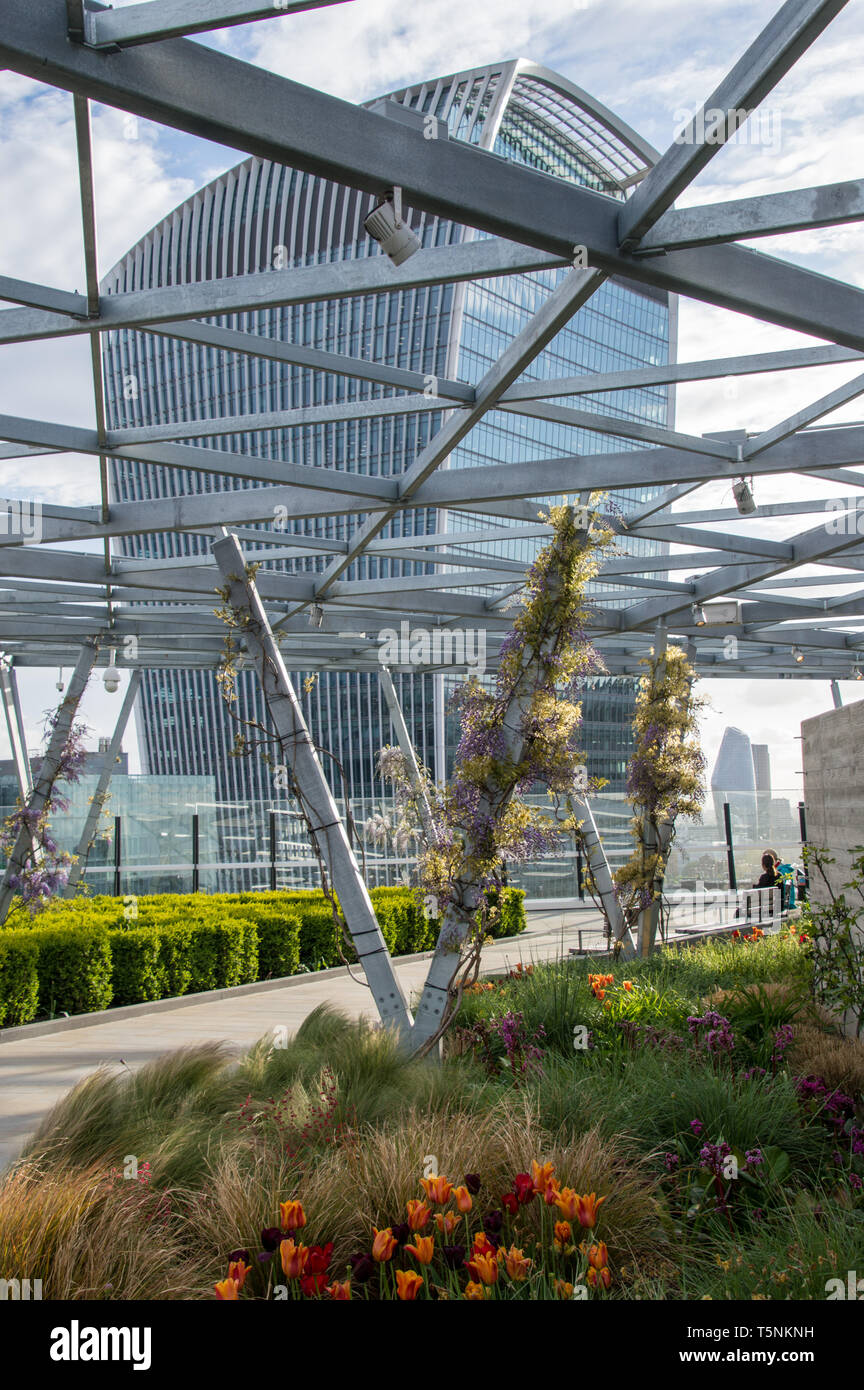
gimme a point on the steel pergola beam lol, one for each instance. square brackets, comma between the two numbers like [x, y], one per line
[768, 214]
[273, 289]
[170, 19]
[787, 35]
[191, 87]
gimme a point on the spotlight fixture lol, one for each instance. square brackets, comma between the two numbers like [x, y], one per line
[61, 684]
[742, 491]
[111, 678]
[697, 613]
[798, 654]
[316, 615]
[385, 225]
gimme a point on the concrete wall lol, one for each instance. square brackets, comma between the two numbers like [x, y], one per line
[833, 752]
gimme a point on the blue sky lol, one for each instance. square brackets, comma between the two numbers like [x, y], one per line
[648, 62]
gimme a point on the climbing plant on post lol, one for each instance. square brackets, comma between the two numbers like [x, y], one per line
[665, 780]
[521, 732]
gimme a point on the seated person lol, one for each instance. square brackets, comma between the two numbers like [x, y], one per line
[770, 877]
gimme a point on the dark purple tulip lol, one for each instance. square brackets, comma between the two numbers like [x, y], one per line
[492, 1222]
[473, 1183]
[272, 1237]
[239, 1255]
[454, 1256]
[363, 1266]
[401, 1232]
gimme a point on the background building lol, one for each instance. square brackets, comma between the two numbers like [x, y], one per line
[259, 211]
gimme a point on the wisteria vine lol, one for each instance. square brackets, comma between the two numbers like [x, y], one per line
[665, 775]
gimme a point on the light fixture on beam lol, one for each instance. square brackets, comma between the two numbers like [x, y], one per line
[61, 684]
[857, 673]
[316, 615]
[723, 613]
[385, 225]
[798, 654]
[697, 613]
[742, 491]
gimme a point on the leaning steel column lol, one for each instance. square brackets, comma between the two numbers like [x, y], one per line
[15, 728]
[403, 738]
[327, 826]
[602, 875]
[48, 771]
[106, 773]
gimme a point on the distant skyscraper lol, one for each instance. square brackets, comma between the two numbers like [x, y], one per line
[762, 773]
[236, 225]
[762, 767]
[734, 779]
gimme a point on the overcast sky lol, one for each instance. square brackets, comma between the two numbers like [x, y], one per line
[649, 62]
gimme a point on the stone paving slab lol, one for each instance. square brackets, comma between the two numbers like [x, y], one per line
[36, 1071]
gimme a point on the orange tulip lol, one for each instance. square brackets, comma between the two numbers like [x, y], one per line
[582, 1209]
[595, 1276]
[563, 1289]
[563, 1234]
[598, 1256]
[340, 1292]
[446, 1222]
[542, 1174]
[418, 1214]
[437, 1189]
[383, 1245]
[423, 1249]
[292, 1215]
[463, 1199]
[628, 985]
[474, 1292]
[238, 1270]
[408, 1285]
[228, 1289]
[293, 1258]
[483, 1245]
[515, 1263]
[484, 1267]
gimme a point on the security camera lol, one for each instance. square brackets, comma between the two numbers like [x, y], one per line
[744, 499]
[384, 224]
[111, 678]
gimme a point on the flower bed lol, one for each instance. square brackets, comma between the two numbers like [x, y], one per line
[712, 1108]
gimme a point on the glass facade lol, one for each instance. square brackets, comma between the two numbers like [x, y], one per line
[261, 215]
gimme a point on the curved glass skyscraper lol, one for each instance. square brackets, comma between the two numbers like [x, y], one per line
[258, 215]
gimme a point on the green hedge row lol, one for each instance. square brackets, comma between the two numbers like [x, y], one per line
[86, 954]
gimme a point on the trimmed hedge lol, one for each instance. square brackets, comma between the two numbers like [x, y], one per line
[74, 966]
[19, 977]
[85, 954]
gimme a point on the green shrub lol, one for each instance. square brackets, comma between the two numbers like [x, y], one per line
[320, 936]
[137, 971]
[279, 931]
[175, 941]
[404, 924]
[74, 967]
[19, 978]
[512, 904]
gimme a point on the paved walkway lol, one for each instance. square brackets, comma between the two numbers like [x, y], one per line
[35, 1071]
